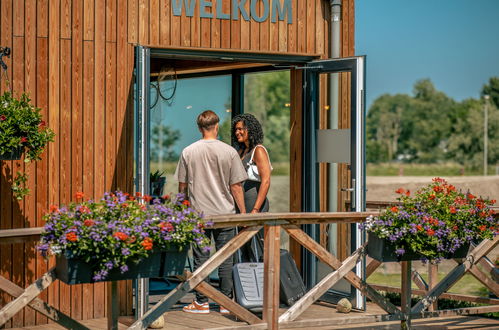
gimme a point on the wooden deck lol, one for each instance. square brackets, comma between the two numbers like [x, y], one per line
[178, 320]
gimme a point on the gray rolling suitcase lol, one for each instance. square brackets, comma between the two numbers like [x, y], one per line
[248, 285]
[248, 280]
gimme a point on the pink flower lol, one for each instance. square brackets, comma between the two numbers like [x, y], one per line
[2, 118]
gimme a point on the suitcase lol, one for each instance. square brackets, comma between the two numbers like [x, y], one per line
[248, 279]
[248, 285]
[291, 284]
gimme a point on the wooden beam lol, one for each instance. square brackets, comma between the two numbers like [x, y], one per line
[112, 305]
[9, 310]
[271, 279]
[433, 280]
[22, 235]
[42, 307]
[326, 257]
[484, 248]
[492, 285]
[419, 281]
[322, 287]
[446, 295]
[406, 296]
[371, 266]
[197, 277]
[236, 309]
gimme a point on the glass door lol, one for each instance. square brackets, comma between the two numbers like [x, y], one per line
[334, 162]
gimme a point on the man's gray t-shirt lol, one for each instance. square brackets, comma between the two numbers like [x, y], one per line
[209, 167]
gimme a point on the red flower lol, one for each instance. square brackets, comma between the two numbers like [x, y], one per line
[492, 201]
[24, 139]
[53, 208]
[79, 195]
[120, 235]
[186, 203]
[84, 209]
[438, 189]
[89, 222]
[71, 237]
[419, 227]
[42, 123]
[400, 191]
[430, 232]
[455, 227]
[437, 179]
[452, 209]
[482, 227]
[470, 196]
[408, 193]
[147, 198]
[166, 197]
[2, 118]
[432, 197]
[166, 226]
[147, 243]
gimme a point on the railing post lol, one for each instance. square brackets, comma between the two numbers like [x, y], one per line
[432, 282]
[271, 259]
[406, 294]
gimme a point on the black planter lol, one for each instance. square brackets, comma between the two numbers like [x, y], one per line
[383, 250]
[157, 187]
[14, 154]
[159, 264]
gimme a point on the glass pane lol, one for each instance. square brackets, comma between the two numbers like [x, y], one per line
[174, 109]
[267, 97]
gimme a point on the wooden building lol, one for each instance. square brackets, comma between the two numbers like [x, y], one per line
[77, 58]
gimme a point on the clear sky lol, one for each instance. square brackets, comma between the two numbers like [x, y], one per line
[455, 43]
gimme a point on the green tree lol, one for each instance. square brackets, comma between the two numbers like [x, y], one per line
[492, 89]
[163, 138]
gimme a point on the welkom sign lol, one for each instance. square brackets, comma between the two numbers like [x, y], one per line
[281, 10]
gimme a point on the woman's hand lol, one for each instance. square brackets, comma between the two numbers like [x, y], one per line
[254, 211]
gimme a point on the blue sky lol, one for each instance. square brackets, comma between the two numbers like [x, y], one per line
[455, 43]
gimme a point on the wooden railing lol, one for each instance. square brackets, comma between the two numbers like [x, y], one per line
[272, 224]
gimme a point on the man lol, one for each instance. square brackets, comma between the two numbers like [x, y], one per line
[211, 174]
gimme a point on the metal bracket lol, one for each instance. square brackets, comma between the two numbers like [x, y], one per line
[4, 51]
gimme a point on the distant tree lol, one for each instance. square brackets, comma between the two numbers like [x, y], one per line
[492, 89]
[163, 139]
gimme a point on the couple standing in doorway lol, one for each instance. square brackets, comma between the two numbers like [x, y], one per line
[220, 179]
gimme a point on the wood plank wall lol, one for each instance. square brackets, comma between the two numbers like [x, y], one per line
[75, 58]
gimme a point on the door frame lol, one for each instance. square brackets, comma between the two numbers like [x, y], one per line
[310, 174]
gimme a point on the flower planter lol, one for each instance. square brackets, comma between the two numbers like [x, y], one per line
[15, 154]
[159, 264]
[383, 250]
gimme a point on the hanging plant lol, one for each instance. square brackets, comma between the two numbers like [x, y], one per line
[22, 131]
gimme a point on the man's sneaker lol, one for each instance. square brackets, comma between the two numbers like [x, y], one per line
[224, 310]
[197, 308]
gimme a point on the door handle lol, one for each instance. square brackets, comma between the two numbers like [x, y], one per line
[347, 189]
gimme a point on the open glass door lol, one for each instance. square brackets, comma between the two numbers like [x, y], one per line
[334, 135]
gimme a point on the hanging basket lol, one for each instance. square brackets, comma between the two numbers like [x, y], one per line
[158, 264]
[383, 250]
[14, 154]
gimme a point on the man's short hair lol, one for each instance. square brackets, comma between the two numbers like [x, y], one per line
[207, 120]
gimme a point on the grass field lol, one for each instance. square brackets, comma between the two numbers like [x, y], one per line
[446, 169]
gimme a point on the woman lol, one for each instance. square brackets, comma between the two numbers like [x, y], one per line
[247, 137]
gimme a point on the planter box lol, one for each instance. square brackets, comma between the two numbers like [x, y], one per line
[159, 264]
[13, 155]
[383, 250]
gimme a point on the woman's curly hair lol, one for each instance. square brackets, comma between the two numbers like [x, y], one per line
[255, 132]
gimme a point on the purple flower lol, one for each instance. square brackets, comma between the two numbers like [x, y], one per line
[400, 251]
[123, 269]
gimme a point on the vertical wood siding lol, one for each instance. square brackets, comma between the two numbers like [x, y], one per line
[75, 58]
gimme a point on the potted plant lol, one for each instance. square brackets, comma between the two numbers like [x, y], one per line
[121, 237]
[157, 183]
[22, 130]
[438, 222]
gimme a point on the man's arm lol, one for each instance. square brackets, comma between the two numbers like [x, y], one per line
[182, 188]
[237, 192]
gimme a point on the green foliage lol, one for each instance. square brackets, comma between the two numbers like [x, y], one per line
[492, 89]
[119, 229]
[430, 127]
[163, 139]
[21, 126]
[412, 169]
[435, 222]
[267, 98]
